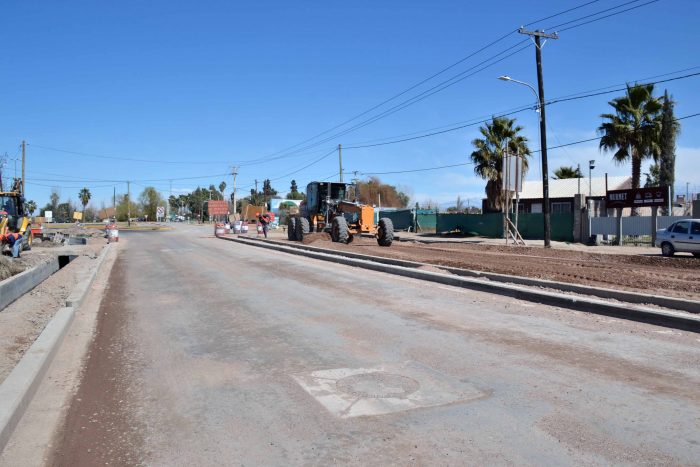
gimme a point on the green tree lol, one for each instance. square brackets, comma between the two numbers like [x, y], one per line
[652, 177]
[633, 130]
[31, 207]
[488, 156]
[125, 207]
[670, 128]
[372, 191]
[567, 172]
[84, 196]
[294, 192]
[150, 199]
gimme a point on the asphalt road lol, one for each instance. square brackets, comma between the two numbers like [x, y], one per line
[213, 353]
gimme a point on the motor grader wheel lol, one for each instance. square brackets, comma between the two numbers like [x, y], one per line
[302, 228]
[339, 230]
[292, 229]
[385, 232]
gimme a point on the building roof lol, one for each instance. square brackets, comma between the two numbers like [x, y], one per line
[569, 187]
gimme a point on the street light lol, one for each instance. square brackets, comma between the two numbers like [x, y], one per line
[543, 150]
[591, 166]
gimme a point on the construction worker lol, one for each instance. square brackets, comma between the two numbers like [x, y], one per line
[14, 240]
[264, 221]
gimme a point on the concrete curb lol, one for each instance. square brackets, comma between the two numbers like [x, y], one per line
[673, 303]
[672, 319]
[76, 296]
[18, 389]
[14, 287]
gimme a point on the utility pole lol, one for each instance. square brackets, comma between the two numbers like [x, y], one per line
[128, 203]
[114, 202]
[167, 205]
[340, 161]
[24, 146]
[234, 172]
[256, 192]
[543, 130]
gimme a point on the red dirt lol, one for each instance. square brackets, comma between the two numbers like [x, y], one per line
[677, 277]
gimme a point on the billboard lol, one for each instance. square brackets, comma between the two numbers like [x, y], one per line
[656, 196]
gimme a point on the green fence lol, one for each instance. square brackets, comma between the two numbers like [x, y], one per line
[531, 226]
[427, 220]
[402, 219]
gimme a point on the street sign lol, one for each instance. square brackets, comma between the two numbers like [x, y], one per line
[217, 207]
[160, 211]
[656, 196]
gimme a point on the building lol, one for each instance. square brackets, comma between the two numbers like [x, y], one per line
[562, 192]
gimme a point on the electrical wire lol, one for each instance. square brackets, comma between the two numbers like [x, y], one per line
[425, 169]
[606, 16]
[549, 102]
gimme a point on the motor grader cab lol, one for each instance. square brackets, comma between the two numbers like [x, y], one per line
[329, 208]
[13, 214]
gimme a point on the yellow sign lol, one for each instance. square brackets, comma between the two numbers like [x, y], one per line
[78, 216]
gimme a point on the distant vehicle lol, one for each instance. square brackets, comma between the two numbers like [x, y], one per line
[681, 236]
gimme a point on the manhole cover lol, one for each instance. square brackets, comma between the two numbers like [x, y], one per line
[378, 385]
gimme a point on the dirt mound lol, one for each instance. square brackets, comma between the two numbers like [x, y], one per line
[9, 267]
[316, 237]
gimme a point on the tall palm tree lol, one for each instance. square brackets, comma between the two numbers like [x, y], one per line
[488, 156]
[633, 130]
[84, 196]
[222, 187]
[566, 172]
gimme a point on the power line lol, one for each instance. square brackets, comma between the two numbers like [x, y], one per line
[562, 13]
[445, 84]
[416, 170]
[550, 102]
[425, 169]
[608, 16]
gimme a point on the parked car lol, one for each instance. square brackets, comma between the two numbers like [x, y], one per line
[681, 236]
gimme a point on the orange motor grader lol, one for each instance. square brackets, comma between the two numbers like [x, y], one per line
[328, 208]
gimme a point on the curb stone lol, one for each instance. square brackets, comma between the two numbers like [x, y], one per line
[18, 389]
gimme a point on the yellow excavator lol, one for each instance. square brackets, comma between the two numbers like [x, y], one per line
[13, 214]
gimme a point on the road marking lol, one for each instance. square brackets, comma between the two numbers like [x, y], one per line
[355, 392]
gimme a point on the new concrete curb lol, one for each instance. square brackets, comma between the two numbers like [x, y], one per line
[672, 319]
[673, 303]
[84, 283]
[14, 287]
[18, 389]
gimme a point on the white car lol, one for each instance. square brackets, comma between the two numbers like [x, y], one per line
[681, 236]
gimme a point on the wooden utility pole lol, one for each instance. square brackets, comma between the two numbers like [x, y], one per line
[543, 130]
[24, 146]
[234, 172]
[256, 192]
[340, 161]
[128, 203]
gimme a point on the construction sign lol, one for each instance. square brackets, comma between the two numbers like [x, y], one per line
[77, 216]
[217, 208]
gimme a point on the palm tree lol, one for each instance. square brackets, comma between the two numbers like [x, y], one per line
[222, 187]
[567, 172]
[31, 207]
[488, 156]
[84, 196]
[633, 130]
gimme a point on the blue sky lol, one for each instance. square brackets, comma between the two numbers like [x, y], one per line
[193, 88]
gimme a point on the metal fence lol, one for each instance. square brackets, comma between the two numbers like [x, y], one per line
[633, 225]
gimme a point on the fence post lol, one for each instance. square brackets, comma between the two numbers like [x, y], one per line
[654, 224]
[618, 229]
